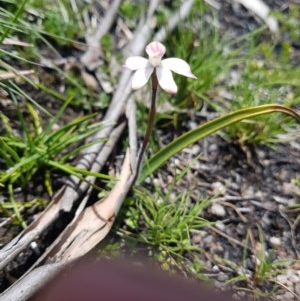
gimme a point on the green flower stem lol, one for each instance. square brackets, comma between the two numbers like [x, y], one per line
[150, 124]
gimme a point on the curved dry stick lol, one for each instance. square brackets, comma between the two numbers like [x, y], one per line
[94, 223]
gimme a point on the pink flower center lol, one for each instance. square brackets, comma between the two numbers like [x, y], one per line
[156, 51]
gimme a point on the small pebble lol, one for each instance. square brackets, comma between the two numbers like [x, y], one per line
[295, 279]
[196, 239]
[282, 279]
[208, 239]
[192, 124]
[219, 248]
[241, 229]
[275, 241]
[215, 269]
[222, 277]
[218, 284]
[176, 162]
[196, 149]
[173, 196]
[220, 225]
[218, 187]
[218, 210]
[213, 148]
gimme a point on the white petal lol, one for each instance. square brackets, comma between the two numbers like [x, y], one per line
[178, 66]
[136, 62]
[165, 80]
[140, 77]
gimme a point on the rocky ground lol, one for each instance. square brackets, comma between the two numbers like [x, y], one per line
[256, 238]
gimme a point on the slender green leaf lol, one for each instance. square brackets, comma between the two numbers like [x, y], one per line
[207, 129]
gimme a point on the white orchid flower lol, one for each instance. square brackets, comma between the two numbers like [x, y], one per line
[144, 68]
